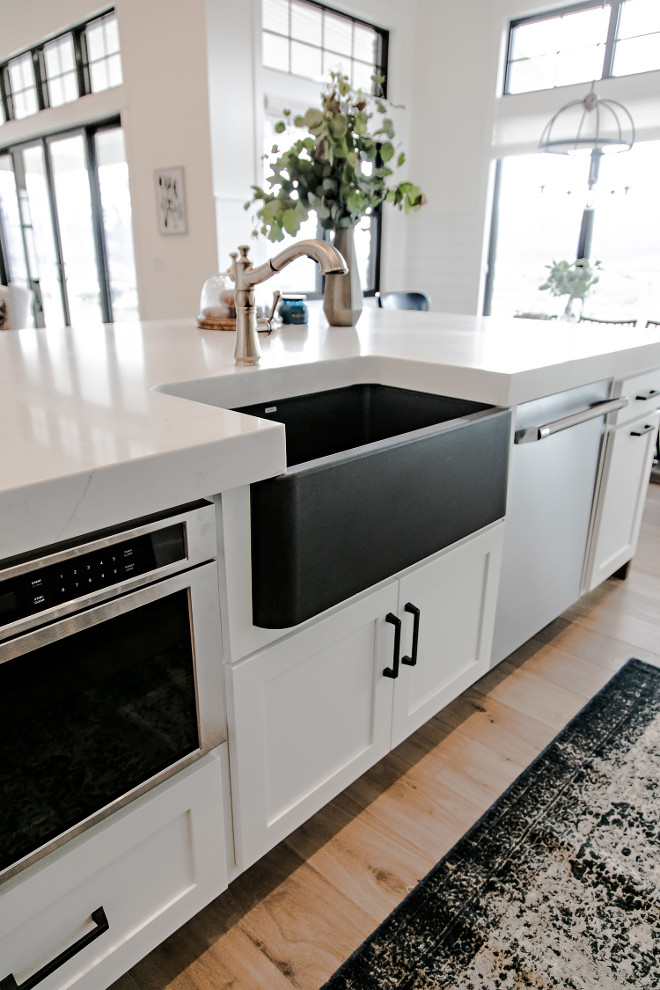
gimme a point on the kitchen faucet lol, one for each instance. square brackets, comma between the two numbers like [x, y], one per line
[246, 348]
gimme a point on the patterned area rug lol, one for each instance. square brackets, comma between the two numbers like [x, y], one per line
[558, 884]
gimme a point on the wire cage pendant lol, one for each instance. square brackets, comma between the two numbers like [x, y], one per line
[588, 125]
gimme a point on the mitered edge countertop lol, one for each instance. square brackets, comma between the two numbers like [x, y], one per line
[88, 441]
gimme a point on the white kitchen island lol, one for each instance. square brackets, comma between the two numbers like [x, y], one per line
[93, 439]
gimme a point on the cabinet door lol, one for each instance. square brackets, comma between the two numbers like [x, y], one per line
[621, 498]
[90, 910]
[306, 717]
[455, 595]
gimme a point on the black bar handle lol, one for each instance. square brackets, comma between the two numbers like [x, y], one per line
[411, 661]
[633, 433]
[102, 925]
[649, 394]
[392, 671]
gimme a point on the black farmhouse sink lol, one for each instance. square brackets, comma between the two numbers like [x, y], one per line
[377, 479]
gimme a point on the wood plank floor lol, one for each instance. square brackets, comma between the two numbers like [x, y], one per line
[291, 919]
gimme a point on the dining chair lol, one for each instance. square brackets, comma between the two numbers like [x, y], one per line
[608, 323]
[652, 323]
[403, 300]
[15, 307]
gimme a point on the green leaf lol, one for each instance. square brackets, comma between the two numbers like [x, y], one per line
[313, 118]
[386, 151]
[280, 126]
[355, 201]
[400, 160]
[338, 126]
[291, 222]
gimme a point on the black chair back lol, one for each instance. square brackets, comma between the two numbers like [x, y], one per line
[608, 323]
[403, 300]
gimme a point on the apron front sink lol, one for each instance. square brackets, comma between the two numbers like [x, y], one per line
[377, 479]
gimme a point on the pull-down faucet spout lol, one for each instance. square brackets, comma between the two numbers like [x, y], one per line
[246, 348]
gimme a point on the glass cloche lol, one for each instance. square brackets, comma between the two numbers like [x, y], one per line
[217, 310]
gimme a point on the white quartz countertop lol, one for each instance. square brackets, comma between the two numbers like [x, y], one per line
[89, 440]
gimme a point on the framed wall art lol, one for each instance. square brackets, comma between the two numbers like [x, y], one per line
[171, 200]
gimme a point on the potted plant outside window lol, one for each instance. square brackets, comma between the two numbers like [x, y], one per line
[339, 170]
[572, 279]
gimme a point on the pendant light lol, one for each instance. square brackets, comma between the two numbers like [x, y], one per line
[587, 126]
[590, 126]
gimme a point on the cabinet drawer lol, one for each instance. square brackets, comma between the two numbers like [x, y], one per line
[643, 394]
[144, 872]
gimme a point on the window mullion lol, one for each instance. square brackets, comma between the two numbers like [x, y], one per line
[7, 107]
[612, 32]
[82, 66]
[8, 94]
[57, 237]
[40, 82]
[97, 223]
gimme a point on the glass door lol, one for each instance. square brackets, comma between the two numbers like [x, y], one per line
[112, 172]
[13, 245]
[46, 276]
[66, 226]
[76, 229]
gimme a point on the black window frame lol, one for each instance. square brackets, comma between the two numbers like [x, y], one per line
[81, 56]
[381, 65]
[88, 132]
[574, 8]
[381, 60]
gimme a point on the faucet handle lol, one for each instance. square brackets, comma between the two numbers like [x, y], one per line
[245, 250]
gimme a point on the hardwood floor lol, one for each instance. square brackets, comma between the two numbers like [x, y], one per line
[291, 919]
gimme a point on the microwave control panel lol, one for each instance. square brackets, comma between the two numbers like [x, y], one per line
[44, 587]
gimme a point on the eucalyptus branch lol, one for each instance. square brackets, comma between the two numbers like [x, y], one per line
[339, 170]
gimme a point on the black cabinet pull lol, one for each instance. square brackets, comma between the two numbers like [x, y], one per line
[101, 922]
[392, 671]
[412, 659]
[633, 433]
[649, 394]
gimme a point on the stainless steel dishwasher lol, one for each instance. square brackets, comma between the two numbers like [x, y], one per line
[554, 463]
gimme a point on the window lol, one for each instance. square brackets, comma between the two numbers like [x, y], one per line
[60, 67]
[540, 210]
[84, 60]
[20, 73]
[638, 38]
[587, 41]
[103, 59]
[307, 39]
[65, 225]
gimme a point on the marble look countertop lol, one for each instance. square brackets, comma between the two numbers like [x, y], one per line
[91, 436]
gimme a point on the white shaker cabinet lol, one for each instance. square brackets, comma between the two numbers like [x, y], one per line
[622, 489]
[89, 911]
[311, 713]
[306, 717]
[624, 479]
[451, 599]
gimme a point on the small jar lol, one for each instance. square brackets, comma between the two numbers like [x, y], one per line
[293, 309]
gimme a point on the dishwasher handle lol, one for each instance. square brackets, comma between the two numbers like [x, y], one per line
[532, 433]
